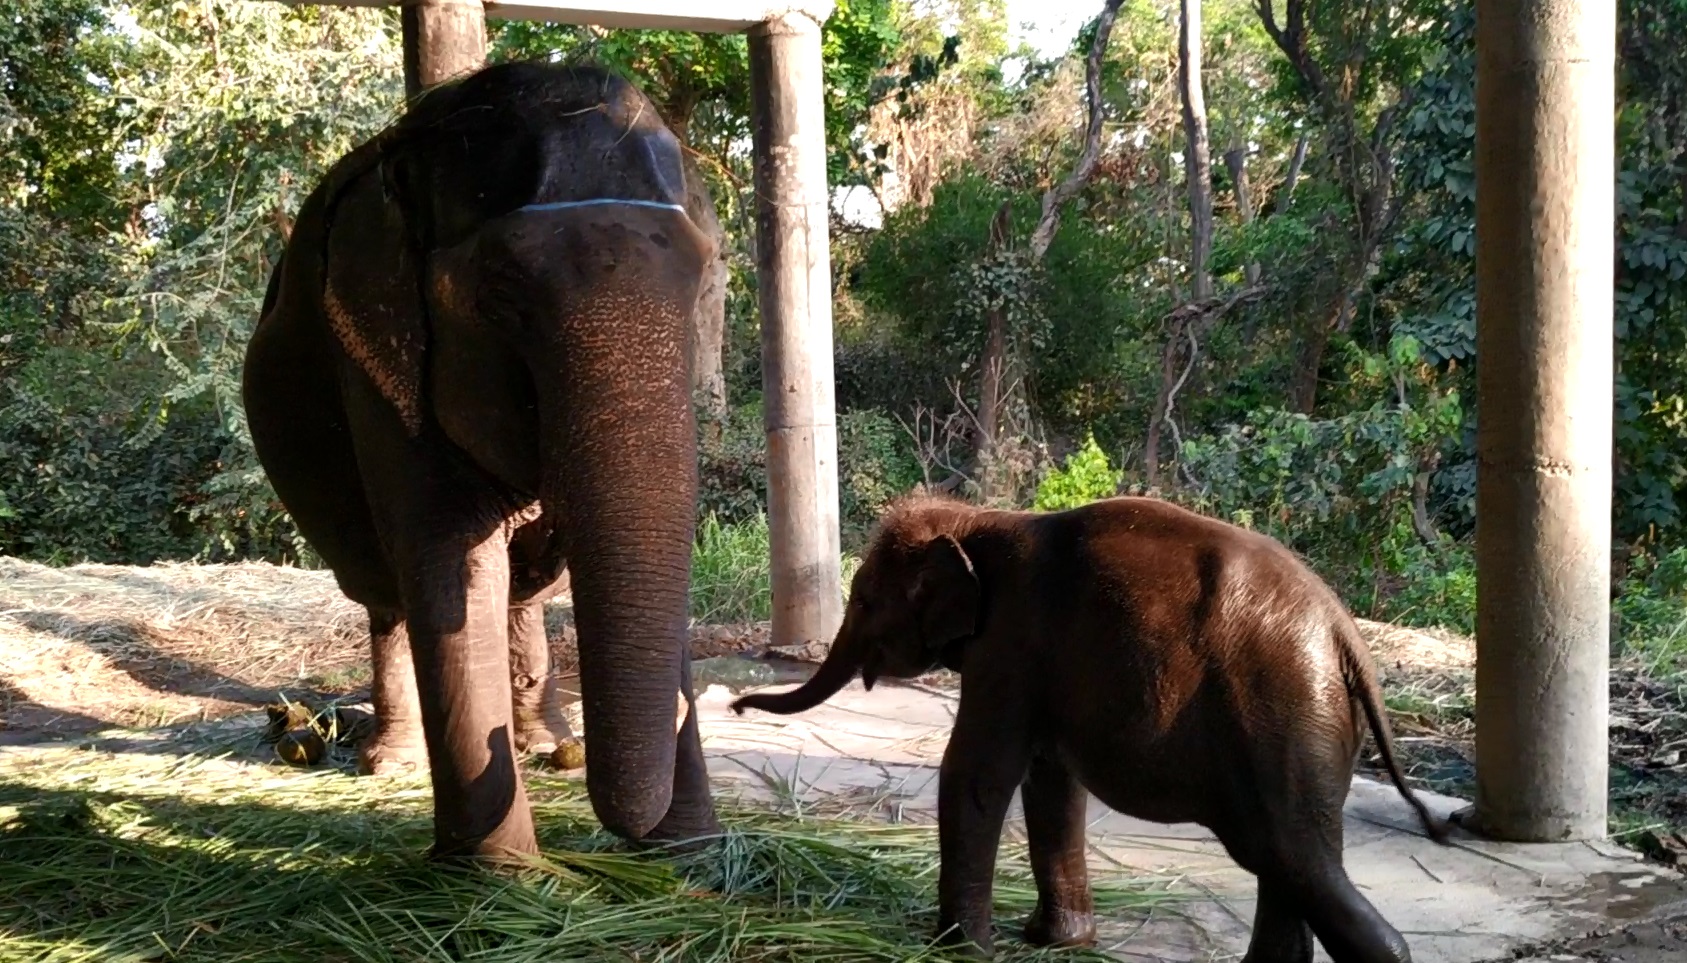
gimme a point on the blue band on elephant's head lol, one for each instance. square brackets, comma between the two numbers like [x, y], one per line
[598, 202]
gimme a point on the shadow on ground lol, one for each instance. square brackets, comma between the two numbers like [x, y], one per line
[235, 861]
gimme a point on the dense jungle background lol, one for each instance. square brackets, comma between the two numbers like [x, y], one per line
[1248, 287]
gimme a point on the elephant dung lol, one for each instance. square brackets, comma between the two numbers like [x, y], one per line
[301, 747]
[570, 754]
[285, 717]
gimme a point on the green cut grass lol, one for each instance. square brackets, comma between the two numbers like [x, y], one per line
[137, 857]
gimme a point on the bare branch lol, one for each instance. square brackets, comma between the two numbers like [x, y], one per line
[1057, 197]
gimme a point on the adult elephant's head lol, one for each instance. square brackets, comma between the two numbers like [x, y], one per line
[514, 269]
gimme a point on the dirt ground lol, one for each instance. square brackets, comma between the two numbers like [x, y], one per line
[96, 646]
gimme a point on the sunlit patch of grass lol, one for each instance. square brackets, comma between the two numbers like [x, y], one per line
[147, 857]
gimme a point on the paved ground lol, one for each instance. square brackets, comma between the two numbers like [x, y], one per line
[1474, 901]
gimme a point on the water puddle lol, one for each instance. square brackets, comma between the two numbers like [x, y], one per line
[1627, 896]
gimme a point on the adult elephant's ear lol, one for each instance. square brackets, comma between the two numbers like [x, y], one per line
[372, 292]
[946, 593]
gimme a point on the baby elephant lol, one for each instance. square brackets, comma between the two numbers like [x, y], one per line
[1179, 668]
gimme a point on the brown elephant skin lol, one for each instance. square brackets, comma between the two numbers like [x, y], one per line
[468, 382]
[1179, 668]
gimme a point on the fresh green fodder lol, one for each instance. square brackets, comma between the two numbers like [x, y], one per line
[107, 857]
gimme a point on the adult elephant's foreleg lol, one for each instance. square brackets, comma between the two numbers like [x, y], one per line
[540, 724]
[691, 815]
[397, 744]
[457, 601]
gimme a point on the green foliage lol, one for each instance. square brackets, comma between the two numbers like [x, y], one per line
[691, 74]
[730, 574]
[875, 465]
[732, 465]
[1651, 613]
[1083, 477]
[76, 488]
[1430, 585]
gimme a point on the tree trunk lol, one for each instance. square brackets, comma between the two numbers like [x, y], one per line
[992, 366]
[708, 335]
[1057, 196]
[1168, 377]
[1197, 167]
[443, 40]
[1309, 358]
[1236, 160]
[1197, 158]
[706, 341]
[1287, 192]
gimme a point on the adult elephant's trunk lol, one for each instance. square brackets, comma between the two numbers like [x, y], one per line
[619, 472]
[842, 662]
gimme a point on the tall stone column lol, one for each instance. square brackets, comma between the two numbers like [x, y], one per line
[1545, 205]
[793, 268]
[443, 39]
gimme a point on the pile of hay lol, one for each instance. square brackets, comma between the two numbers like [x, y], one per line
[163, 857]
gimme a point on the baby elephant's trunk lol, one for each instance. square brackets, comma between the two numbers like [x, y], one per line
[841, 664]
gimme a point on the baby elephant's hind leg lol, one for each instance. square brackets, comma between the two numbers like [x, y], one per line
[1281, 934]
[1302, 885]
[1055, 804]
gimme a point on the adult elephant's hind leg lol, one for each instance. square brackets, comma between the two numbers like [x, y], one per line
[540, 724]
[397, 745]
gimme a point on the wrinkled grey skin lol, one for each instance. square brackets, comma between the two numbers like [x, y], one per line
[457, 399]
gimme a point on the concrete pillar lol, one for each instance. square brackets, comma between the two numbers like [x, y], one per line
[793, 270]
[442, 39]
[1545, 176]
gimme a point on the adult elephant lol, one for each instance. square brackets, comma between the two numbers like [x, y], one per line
[470, 376]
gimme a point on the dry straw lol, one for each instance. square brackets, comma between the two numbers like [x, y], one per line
[155, 857]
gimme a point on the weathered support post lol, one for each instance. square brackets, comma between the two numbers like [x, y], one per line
[794, 273]
[1545, 175]
[442, 39]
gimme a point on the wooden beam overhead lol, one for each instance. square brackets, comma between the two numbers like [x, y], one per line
[708, 16]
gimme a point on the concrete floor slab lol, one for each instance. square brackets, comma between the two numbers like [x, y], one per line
[1471, 901]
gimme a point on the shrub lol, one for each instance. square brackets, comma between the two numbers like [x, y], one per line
[730, 572]
[875, 465]
[1434, 585]
[1651, 613]
[84, 485]
[731, 466]
[1084, 477]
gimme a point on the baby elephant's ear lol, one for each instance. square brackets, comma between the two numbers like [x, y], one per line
[946, 593]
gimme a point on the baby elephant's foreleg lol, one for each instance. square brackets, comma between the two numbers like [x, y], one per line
[983, 764]
[1055, 808]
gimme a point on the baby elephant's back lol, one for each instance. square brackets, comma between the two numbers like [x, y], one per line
[1187, 647]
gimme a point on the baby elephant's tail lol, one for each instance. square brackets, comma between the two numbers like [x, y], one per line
[1362, 685]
